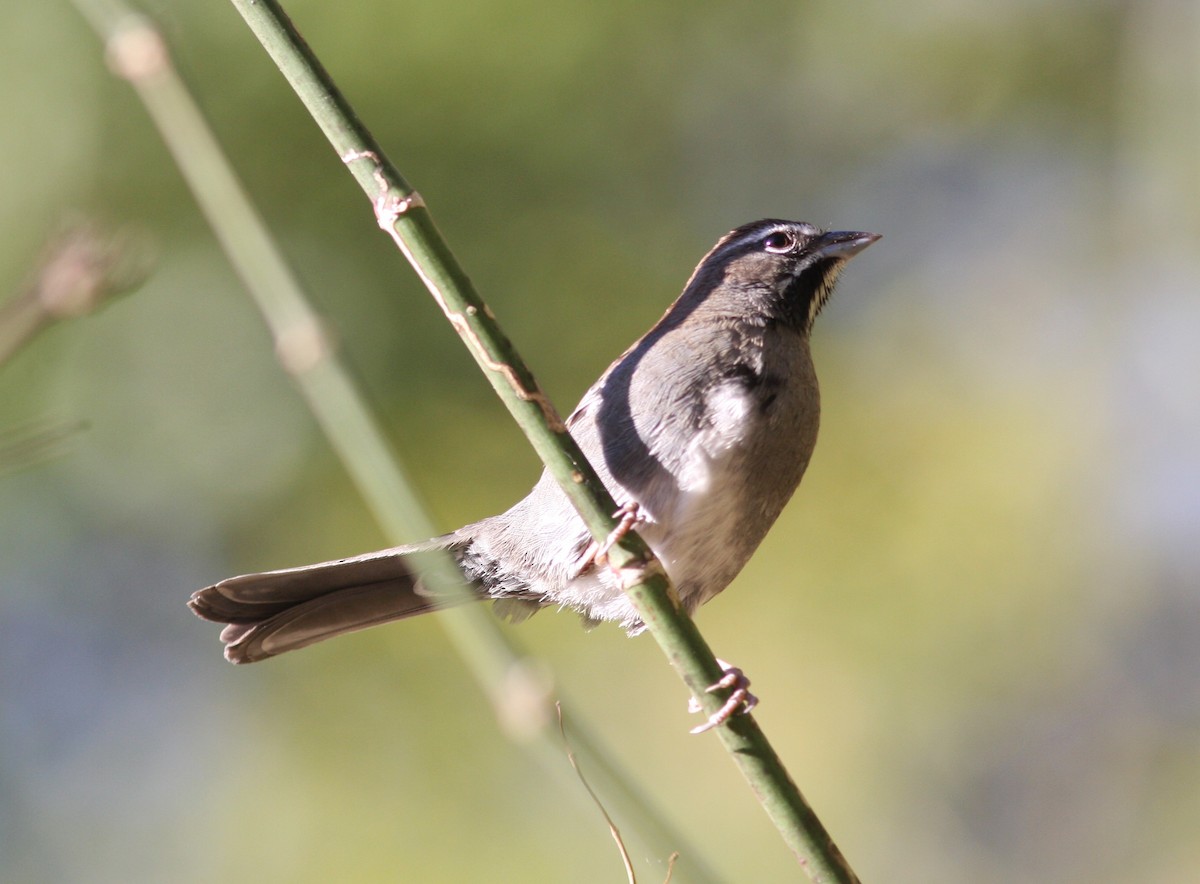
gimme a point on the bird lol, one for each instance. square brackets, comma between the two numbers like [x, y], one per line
[701, 431]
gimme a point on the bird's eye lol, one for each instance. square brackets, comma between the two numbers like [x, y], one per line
[779, 242]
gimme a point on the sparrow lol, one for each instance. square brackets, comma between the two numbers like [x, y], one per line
[701, 431]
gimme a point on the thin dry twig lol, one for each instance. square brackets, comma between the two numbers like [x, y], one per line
[612, 827]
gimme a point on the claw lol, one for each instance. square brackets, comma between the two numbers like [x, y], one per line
[739, 701]
[597, 553]
[628, 516]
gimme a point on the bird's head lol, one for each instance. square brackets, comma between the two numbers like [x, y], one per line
[781, 270]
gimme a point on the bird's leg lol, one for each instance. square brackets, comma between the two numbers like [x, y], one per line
[597, 553]
[627, 516]
[740, 700]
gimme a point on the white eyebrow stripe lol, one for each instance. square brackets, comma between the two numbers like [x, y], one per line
[730, 242]
[735, 241]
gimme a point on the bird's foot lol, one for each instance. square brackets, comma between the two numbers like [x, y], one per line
[740, 700]
[597, 553]
[627, 516]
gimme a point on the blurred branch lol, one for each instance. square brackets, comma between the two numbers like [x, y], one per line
[402, 214]
[516, 684]
[80, 269]
[35, 442]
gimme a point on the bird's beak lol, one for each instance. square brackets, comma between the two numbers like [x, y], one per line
[842, 245]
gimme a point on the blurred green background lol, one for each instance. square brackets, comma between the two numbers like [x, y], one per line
[976, 630]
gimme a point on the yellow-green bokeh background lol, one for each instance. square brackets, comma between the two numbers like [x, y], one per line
[976, 630]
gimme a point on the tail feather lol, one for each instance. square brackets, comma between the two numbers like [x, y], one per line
[278, 611]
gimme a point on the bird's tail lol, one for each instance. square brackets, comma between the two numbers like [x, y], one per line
[279, 611]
